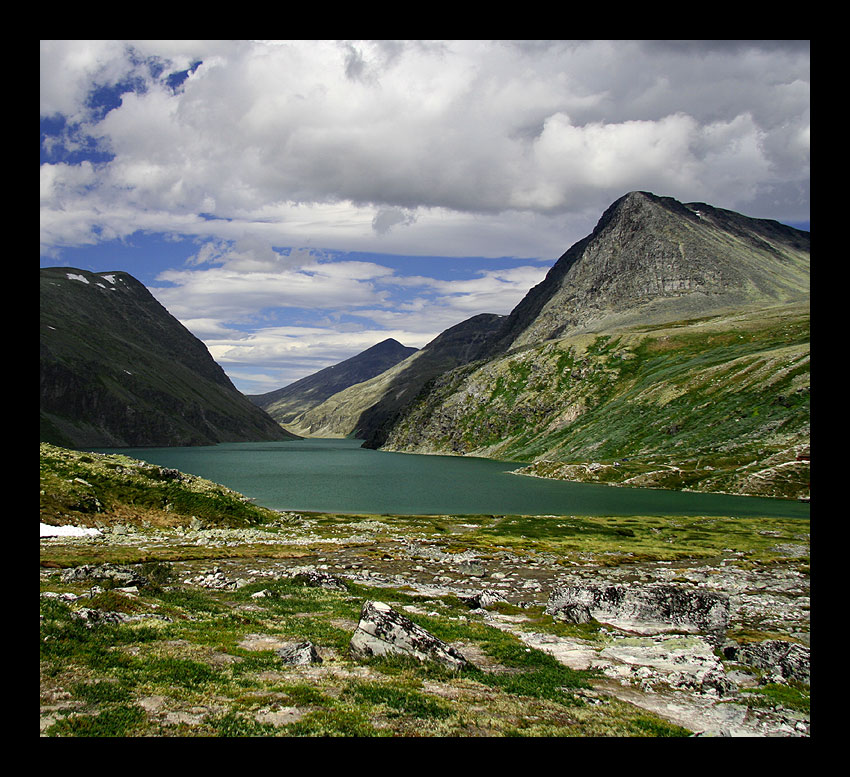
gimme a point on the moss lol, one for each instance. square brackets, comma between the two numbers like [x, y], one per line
[791, 697]
[120, 720]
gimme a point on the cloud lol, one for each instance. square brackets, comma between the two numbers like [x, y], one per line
[374, 135]
[386, 218]
[333, 307]
[276, 161]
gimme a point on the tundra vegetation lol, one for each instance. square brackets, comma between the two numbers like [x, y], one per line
[715, 404]
[181, 659]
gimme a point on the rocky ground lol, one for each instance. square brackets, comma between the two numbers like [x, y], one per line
[725, 681]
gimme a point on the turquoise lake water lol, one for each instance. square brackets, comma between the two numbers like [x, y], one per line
[327, 475]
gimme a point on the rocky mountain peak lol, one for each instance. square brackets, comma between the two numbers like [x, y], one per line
[652, 259]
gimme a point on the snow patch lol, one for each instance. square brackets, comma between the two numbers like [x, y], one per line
[67, 531]
[75, 277]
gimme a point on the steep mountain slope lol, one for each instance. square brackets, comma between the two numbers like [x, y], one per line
[365, 409]
[652, 259]
[286, 403]
[118, 370]
[669, 348]
[717, 404]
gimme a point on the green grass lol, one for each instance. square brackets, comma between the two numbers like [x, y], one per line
[120, 720]
[109, 668]
[82, 486]
[198, 665]
[792, 697]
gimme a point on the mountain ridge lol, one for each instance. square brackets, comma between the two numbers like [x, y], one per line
[651, 259]
[118, 370]
[284, 404]
[668, 348]
[363, 409]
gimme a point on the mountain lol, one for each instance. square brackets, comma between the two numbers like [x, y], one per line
[669, 348]
[286, 403]
[117, 370]
[652, 259]
[365, 409]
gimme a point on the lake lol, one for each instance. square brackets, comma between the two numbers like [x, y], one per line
[332, 475]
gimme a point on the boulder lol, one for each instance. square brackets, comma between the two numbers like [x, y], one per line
[384, 631]
[217, 580]
[315, 578]
[573, 613]
[648, 609]
[483, 599]
[299, 654]
[118, 575]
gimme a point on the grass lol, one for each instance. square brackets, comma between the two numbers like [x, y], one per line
[192, 670]
[81, 486]
[110, 669]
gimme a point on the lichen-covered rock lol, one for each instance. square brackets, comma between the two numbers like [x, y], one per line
[384, 631]
[788, 660]
[118, 575]
[315, 578]
[645, 609]
[483, 599]
[300, 654]
[217, 580]
[573, 613]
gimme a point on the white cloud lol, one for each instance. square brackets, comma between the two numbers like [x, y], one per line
[273, 155]
[369, 136]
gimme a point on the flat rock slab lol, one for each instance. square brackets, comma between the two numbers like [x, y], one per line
[264, 642]
[648, 609]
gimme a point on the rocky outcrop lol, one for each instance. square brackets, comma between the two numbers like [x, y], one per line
[217, 579]
[315, 578]
[647, 609]
[384, 631]
[483, 599]
[299, 654]
[115, 574]
[785, 660]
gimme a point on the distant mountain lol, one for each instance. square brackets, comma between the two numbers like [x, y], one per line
[286, 403]
[118, 370]
[362, 410]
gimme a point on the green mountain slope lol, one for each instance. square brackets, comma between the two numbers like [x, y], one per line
[366, 409]
[118, 370]
[716, 404]
[668, 348]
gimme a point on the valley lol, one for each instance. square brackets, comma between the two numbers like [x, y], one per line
[666, 352]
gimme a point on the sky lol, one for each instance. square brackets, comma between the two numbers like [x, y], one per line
[293, 203]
